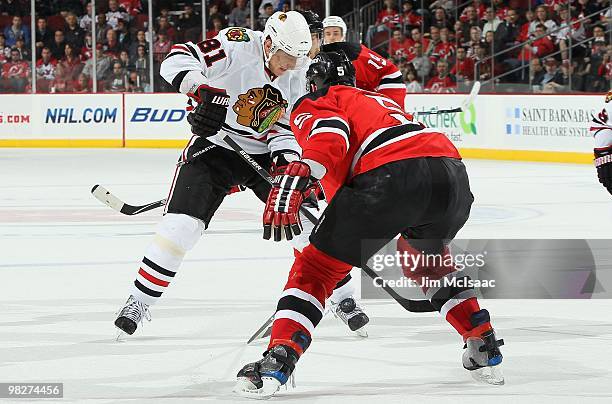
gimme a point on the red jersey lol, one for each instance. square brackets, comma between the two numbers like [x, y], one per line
[399, 49]
[441, 85]
[15, 70]
[372, 71]
[464, 68]
[351, 131]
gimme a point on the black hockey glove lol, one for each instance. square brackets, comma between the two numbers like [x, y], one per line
[208, 116]
[603, 162]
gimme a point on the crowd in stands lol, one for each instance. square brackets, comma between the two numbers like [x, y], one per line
[549, 44]
[437, 45]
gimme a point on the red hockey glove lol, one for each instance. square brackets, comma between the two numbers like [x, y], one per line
[280, 161]
[603, 162]
[208, 116]
[283, 205]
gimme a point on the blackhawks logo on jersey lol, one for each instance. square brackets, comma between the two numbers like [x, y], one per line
[260, 108]
[237, 34]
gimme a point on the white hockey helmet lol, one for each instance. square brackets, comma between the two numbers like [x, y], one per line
[335, 21]
[290, 33]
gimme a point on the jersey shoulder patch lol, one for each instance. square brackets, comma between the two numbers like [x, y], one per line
[609, 97]
[237, 34]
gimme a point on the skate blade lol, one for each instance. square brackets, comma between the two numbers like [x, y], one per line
[493, 375]
[361, 332]
[245, 388]
[120, 335]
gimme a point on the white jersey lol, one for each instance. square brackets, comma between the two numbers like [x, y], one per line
[601, 126]
[260, 104]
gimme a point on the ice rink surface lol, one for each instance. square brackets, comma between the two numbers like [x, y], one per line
[67, 261]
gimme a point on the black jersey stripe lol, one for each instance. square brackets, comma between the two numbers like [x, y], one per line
[193, 51]
[178, 79]
[146, 290]
[389, 134]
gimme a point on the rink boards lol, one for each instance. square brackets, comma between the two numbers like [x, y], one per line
[550, 128]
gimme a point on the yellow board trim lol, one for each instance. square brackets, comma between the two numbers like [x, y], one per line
[83, 143]
[528, 155]
[469, 153]
[157, 143]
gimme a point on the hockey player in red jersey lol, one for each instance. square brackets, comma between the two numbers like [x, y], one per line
[601, 128]
[396, 176]
[372, 71]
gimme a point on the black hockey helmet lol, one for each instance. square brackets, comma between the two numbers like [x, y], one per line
[314, 21]
[328, 69]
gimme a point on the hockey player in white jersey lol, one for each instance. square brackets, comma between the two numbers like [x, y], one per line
[601, 128]
[240, 88]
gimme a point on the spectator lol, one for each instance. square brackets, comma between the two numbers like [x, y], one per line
[214, 13]
[123, 34]
[16, 30]
[605, 69]
[440, 21]
[161, 47]
[85, 20]
[447, 5]
[399, 46]
[45, 67]
[491, 22]
[509, 30]
[239, 14]
[60, 83]
[141, 67]
[164, 25]
[118, 80]
[102, 28]
[570, 30]
[86, 51]
[83, 84]
[71, 63]
[164, 13]
[421, 62]
[140, 41]
[464, 66]
[434, 36]
[444, 48]
[268, 10]
[132, 7]
[124, 58]
[23, 50]
[43, 36]
[541, 18]
[539, 47]
[536, 72]
[484, 69]
[11, 7]
[442, 82]
[501, 10]
[5, 51]
[217, 26]
[189, 20]
[58, 45]
[552, 80]
[115, 13]
[409, 18]
[74, 34]
[412, 82]
[103, 63]
[524, 32]
[264, 3]
[112, 45]
[415, 37]
[475, 35]
[387, 19]
[15, 73]
[468, 20]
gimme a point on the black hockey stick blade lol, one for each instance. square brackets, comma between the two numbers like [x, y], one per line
[110, 200]
[263, 331]
[439, 111]
[416, 306]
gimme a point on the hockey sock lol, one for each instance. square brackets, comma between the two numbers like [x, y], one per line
[311, 279]
[345, 288]
[176, 234]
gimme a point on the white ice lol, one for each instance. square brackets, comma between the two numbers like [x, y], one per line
[66, 263]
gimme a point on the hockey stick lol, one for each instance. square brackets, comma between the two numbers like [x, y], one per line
[464, 105]
[416, 306]
[104, 196]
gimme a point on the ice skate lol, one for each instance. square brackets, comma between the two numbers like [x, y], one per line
[262, 379]
[352, 315]
[132, 314]
[482, 356]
